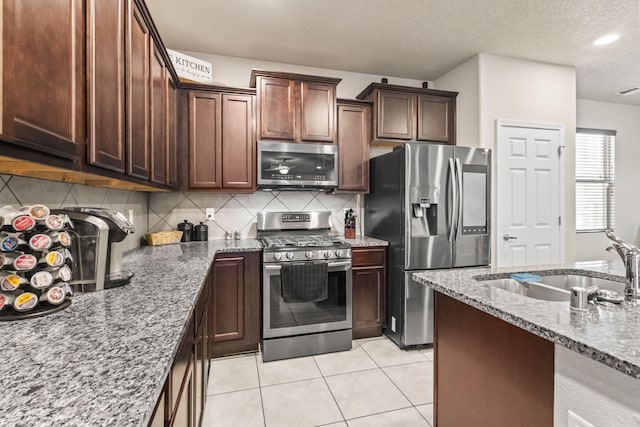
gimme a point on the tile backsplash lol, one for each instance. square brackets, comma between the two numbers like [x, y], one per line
[238, 211]
[164, 211]
[18, 191]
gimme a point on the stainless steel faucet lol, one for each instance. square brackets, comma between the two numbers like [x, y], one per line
[630, 256]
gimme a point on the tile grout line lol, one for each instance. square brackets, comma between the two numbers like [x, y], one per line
[392, 382]
[329, 388]
[264, 416]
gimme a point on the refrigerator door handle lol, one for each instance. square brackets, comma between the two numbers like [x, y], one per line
[454, 200]
[459, 204]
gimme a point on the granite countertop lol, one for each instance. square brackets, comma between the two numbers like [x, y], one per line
[364, 241]
[610, 335]
[105, 359]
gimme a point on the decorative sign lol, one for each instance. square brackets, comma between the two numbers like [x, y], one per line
[191, 68]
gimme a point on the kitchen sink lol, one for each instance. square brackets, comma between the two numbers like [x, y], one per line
[552, 287]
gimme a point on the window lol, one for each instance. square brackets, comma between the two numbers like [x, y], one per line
[595, 171]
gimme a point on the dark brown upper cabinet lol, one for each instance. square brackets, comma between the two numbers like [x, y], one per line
[402, 113]
[43, 75]
[137, 42]
[172, 134]
[205, 133]
[106, 84]
[354, 135]
[158, 109]
[238, 142]
[295, 107]
[221, 141]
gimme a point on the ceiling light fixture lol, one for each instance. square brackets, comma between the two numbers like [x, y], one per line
[609, 38]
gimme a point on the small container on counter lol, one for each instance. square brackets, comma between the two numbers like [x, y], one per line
[25, 301]
[18, 262]
[201, 232]
[55, 295]
[12, 242]
[37, 212]
[9, 282]
[187, 229]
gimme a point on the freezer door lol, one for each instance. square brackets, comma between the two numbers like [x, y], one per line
[428, 197]
[472, 244]
[418, 309]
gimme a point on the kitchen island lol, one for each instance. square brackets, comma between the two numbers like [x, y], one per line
[105, 359]
[538, 339]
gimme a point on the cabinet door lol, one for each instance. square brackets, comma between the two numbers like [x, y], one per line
[172, 137]
[317, 111]
[436, 119]
[238, 142]
[276, 109]
[353, 147]
[200, 385]
[105, 84]
[158, 136]
[137, 45]
[205, 148]
[157, 419]
[368, 302]
[395, 116]
[43, 74]
[234, 324]
[183, 416]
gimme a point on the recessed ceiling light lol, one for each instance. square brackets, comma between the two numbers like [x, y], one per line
[609, 38]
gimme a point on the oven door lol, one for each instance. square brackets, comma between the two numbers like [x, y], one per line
[282, 319]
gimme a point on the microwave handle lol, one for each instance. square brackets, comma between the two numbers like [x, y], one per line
[273, 267]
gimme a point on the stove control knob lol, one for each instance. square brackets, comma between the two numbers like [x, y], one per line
[289, 255]
[309, 254]
[277, 256]
[327, 254]
[340, 253]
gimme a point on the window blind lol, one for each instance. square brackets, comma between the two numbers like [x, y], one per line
[595, 174]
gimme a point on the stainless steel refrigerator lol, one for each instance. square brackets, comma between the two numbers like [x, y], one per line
[432, 204]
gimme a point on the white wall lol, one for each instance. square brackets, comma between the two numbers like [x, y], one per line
[465, 79]
[626, 120]
[496, 87]
[595, 392]
[236, 72]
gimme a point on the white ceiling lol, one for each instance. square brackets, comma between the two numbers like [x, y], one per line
[420, 39]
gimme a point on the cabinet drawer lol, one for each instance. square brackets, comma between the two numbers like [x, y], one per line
[369, 257]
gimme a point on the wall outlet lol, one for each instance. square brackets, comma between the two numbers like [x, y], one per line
[210, 213]
[574, 420]
[393, 324]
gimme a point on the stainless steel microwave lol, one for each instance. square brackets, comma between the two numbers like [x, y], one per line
[294, 166]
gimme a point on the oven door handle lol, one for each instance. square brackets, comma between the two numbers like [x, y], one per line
[274, 267]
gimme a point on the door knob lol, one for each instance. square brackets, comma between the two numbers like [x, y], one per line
[506, 237]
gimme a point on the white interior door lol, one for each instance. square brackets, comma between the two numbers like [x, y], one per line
[530, 194]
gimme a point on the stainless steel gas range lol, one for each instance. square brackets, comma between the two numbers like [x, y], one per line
[306, 285]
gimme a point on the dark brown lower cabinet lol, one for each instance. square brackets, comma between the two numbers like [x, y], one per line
[234, 304]
[489, 372]
[182, 401]
[369, 271]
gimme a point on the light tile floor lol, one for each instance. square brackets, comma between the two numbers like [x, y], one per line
[373, 384]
